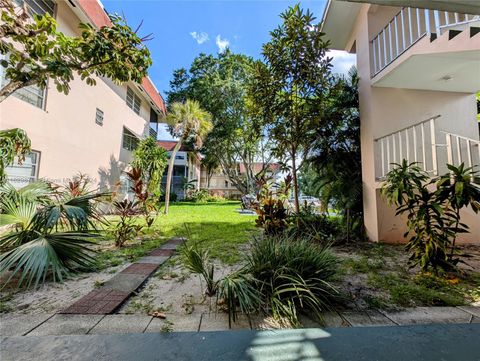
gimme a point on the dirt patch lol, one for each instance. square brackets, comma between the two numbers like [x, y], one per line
[53, 297]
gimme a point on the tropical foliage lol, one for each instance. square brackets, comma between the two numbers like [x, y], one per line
[13, 143]
[333, 172]
[188, 123]
[219, 83]
[126, 227]
[152, 160]
[433, 211]
[287, 90]
[51, 235]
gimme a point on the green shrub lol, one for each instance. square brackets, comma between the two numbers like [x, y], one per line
[433, 211]
[197, 261]
[317, 227]
[292, 275]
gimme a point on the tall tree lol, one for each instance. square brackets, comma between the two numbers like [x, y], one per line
[288, 87]
[219, 83]
[34, 52]
[188, 123]
[334, 171]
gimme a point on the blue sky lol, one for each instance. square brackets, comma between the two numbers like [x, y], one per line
[183, 29]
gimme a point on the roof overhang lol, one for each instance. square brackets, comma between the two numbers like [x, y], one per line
[459, 6]
[338, 22]
[92, 11]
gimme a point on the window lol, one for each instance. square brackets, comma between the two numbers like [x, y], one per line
[226, 184]
[39, 7]
[99, 117]
[133, 100]
[19, 175]
[32, 94]
[130, 141]
[181, 157]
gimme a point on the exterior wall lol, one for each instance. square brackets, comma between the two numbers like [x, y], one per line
[385, 110]
[65, 132]
[217, 185]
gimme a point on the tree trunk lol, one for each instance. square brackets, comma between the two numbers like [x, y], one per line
[170, 175]
[295, 183]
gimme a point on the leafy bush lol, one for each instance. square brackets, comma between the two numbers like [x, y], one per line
[271, 210]
[52, 234]
[433, 215]
[292, 275]
[202, 196]
[316, 227]
[125, 229]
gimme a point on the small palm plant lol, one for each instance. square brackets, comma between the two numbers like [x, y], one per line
[52, 232]
[188, 122]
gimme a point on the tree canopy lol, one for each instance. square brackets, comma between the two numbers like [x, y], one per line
[288, 87]
[219, 83]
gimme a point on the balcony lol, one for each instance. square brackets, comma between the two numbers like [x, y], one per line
[428, 50]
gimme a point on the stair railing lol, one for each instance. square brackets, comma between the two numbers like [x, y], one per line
[461, 149]
[406, 28]
[416, 143]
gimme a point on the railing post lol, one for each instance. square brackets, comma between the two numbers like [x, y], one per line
[415, 146]
[388, 153]
[374, 57]
[434, 146]
[427, 21]
[390, 40]
[408, 145]
[449, 149]
[469, 156]
[424, 153]
[382, 147]
[436, 19]
[384, 47]
[396, 36]
[459, 150]
[394, 144]
[410, 27]
[400, 148]
[418, 22]
[403, 30]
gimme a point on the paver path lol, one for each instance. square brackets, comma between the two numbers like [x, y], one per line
[106, 299]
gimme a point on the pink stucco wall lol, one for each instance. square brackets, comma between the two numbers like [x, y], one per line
[385, 110]
[65, 132]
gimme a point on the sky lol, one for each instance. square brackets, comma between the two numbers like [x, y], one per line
[183, 29]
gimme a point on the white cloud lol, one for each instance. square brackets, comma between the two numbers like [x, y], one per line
[200, 37]
[222, 43]
[342, 61]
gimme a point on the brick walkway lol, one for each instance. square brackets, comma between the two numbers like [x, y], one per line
[106, 299]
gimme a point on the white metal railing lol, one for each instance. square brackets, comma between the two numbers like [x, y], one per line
[462, 150]
[407, 27]
[416, 143]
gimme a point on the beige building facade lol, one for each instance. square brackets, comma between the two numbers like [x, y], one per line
[419, 70]
[94, 129]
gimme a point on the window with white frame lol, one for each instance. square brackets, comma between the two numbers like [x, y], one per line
[21, 174]
[99, 117]
[133, 100]
[32, 94]
[129, 141]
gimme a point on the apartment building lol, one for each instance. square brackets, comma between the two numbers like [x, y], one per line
[186, 168]
[419, 70]
[94, 129]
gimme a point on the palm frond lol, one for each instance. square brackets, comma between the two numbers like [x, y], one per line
[55, 254]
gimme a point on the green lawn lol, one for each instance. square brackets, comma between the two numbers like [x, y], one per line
[217, 227]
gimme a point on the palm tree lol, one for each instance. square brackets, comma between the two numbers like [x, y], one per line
[188, 122]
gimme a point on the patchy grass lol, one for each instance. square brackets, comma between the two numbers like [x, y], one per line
[377, 276]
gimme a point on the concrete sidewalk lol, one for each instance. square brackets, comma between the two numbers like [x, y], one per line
[78, 324]
[405, 343]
